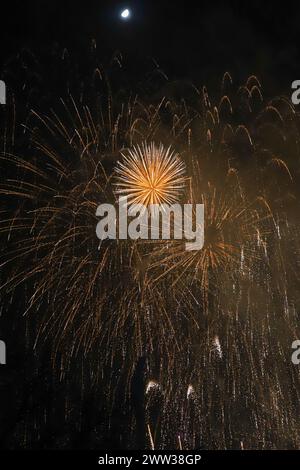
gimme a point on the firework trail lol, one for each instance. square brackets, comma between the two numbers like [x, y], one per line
[214, 327]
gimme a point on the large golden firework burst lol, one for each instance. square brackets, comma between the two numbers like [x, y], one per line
[150, 174]
[198, 319]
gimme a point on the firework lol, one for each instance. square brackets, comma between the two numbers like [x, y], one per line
[212, 326]
[150, 174]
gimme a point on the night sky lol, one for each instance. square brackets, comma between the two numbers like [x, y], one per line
[204, 350]
[192, 40]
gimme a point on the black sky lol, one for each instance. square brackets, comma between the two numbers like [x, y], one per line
[194, 40]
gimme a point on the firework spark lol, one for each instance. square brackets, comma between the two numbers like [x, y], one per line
[212, 324]
[150, 174]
